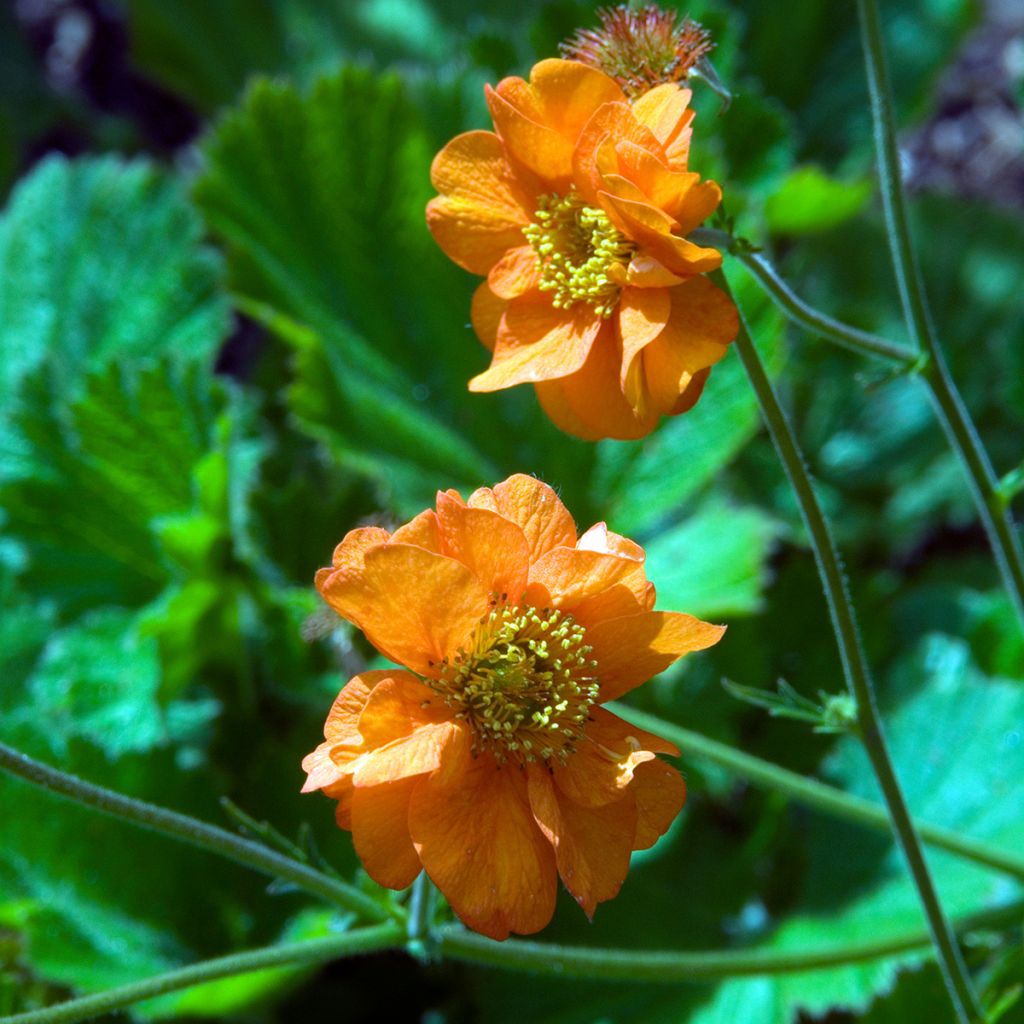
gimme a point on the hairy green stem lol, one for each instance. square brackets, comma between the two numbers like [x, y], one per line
[672, 967]
[855, 668]
[815, 794]
[949, 406]
[194, 832]
[293, 954]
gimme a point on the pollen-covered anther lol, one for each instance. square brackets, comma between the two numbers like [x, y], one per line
[581, 255]
[521, 701]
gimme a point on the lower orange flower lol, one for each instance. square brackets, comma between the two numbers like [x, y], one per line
[488, 760]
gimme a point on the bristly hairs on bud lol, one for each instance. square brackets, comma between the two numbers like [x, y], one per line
[640, 47]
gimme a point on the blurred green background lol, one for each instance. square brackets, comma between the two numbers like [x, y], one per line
[228, 338]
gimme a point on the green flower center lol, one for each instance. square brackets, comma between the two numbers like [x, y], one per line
[576, 247]
[525, 685]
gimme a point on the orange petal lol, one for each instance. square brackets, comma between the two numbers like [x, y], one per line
[568, 93]
[592, 845]
[491, 546]
[660, 793]
[476, 837]
[695, 204]
[688, 399]
[660, 184]
[421, 531]
[702, 322]
[629, 651]
[645, 271]
[538, 342]
[571, 575]
[414, 606]
[486, 312]
[590, 404]
[537, 147]
[642, 316]
[482, 208]
[664, 111]
[652, 228]
[600, 538]
[380, 833]
[596, 151]
[351, 552]
[601, 769]
[515, 273]
[535, 508]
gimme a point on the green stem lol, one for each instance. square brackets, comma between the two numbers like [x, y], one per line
[855, 668]
[309, 952]
[672, 967]
[949, 406]
[194, 832]
[812, 793]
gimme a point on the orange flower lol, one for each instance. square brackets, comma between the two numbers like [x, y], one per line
[487, 760]
[577, 211]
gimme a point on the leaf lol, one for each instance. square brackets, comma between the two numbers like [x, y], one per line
[95, 480]
[808, 200]
[102, 259]
[712, 565]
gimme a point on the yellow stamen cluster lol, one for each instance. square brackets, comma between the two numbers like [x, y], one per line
[577, 246]
[525, 685]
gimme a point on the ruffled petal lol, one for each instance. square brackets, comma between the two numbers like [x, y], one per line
[660, 792]
[421, 531]
[590, 404]
[486, 312]
[493, 547]
[596, 152]
[630, 651]
[702, 322]
[642, 316]
[414, 606]
[534, 507]
[380, 833]
[482, 208]
[351, 552]
[537, 342]
[664, 111]
[516, 273]
[571, 575]
[592, 845]
[644, 271]
[477, 839]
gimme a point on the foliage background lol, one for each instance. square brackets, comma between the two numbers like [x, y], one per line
[227, 338]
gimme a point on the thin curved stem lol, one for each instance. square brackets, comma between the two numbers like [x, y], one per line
[818, 795]
[855, 669]
[672, 967]
[195, 832]
[294, 954]
[949, 406]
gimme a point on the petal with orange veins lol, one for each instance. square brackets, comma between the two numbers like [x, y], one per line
[660, 792]
[589, 404]
[662, 186]
[398, 707]
[568, 93]
[642, 316]
[612, 603]
[515, 273]
[415, 606]
[351, 552]
[571, 575]
[664, 110]
[422, 531]
[644, 271]
[601, 769]
[482, 208]
[592, 844]
[629, 651]
[537, 510]
[596, 153]
[491, 546]
[652, 229]
[702, 323]
[478, 841]
[695, 204]
[380, 833]
[485, 312]
[537, 342]
[535, 146]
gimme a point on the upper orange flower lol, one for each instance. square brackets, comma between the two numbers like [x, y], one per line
[488, 759]
[577, 211]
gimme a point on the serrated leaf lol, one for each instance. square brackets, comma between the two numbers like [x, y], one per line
[102, 259]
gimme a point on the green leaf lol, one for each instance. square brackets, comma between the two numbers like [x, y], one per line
[100, 260]
[809, 200]
[712, 565]
[320, 198]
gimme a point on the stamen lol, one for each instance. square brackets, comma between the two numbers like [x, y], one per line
[520, 701]
[577, 246]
